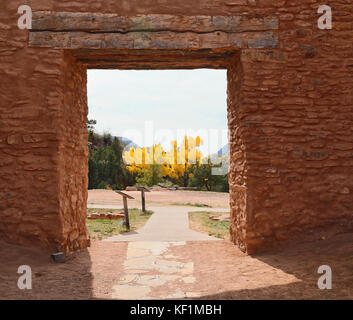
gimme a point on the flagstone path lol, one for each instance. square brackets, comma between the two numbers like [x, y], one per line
[148, 266]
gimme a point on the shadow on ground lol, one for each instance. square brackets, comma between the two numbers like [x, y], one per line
[297, 265]
[72, 280]
[76, 279]
[222, 271]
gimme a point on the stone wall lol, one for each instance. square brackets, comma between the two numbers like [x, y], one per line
[296, 110]
[73, 151]
[290, 120]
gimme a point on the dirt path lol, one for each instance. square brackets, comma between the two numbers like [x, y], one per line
[160, 198]
[215, 269]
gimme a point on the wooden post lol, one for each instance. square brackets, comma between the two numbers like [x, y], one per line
[143, 200]
[126, 209]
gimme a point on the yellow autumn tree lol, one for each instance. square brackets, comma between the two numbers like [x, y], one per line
[174, 164]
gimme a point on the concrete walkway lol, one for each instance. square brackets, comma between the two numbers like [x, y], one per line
[167, 224]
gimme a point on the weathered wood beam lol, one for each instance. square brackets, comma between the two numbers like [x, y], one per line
[155, 59]
[153, 40]
[152, 59]
[96, 22]
[148, 65]
[159, 55]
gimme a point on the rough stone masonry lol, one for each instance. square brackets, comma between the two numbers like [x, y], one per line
[290, 103]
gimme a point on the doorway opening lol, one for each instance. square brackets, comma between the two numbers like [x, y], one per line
[165, 130]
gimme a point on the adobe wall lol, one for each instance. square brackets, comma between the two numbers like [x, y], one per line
[290, 120]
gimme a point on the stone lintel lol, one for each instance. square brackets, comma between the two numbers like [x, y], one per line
[99, 22]
[153, 40]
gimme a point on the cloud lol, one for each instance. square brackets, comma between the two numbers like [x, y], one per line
[173, 99]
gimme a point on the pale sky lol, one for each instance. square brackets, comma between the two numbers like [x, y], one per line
[156, 106]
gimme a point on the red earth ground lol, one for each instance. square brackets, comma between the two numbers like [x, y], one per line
[221, 270]
[161, 198]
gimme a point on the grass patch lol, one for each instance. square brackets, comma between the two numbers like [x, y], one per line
[103, 228]
[200, 221]
[199, 205]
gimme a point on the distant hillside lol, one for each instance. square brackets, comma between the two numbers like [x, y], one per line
[97, 140]
[127, 142]
[223, 151]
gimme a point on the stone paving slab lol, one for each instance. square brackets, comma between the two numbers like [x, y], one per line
[146, 268]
